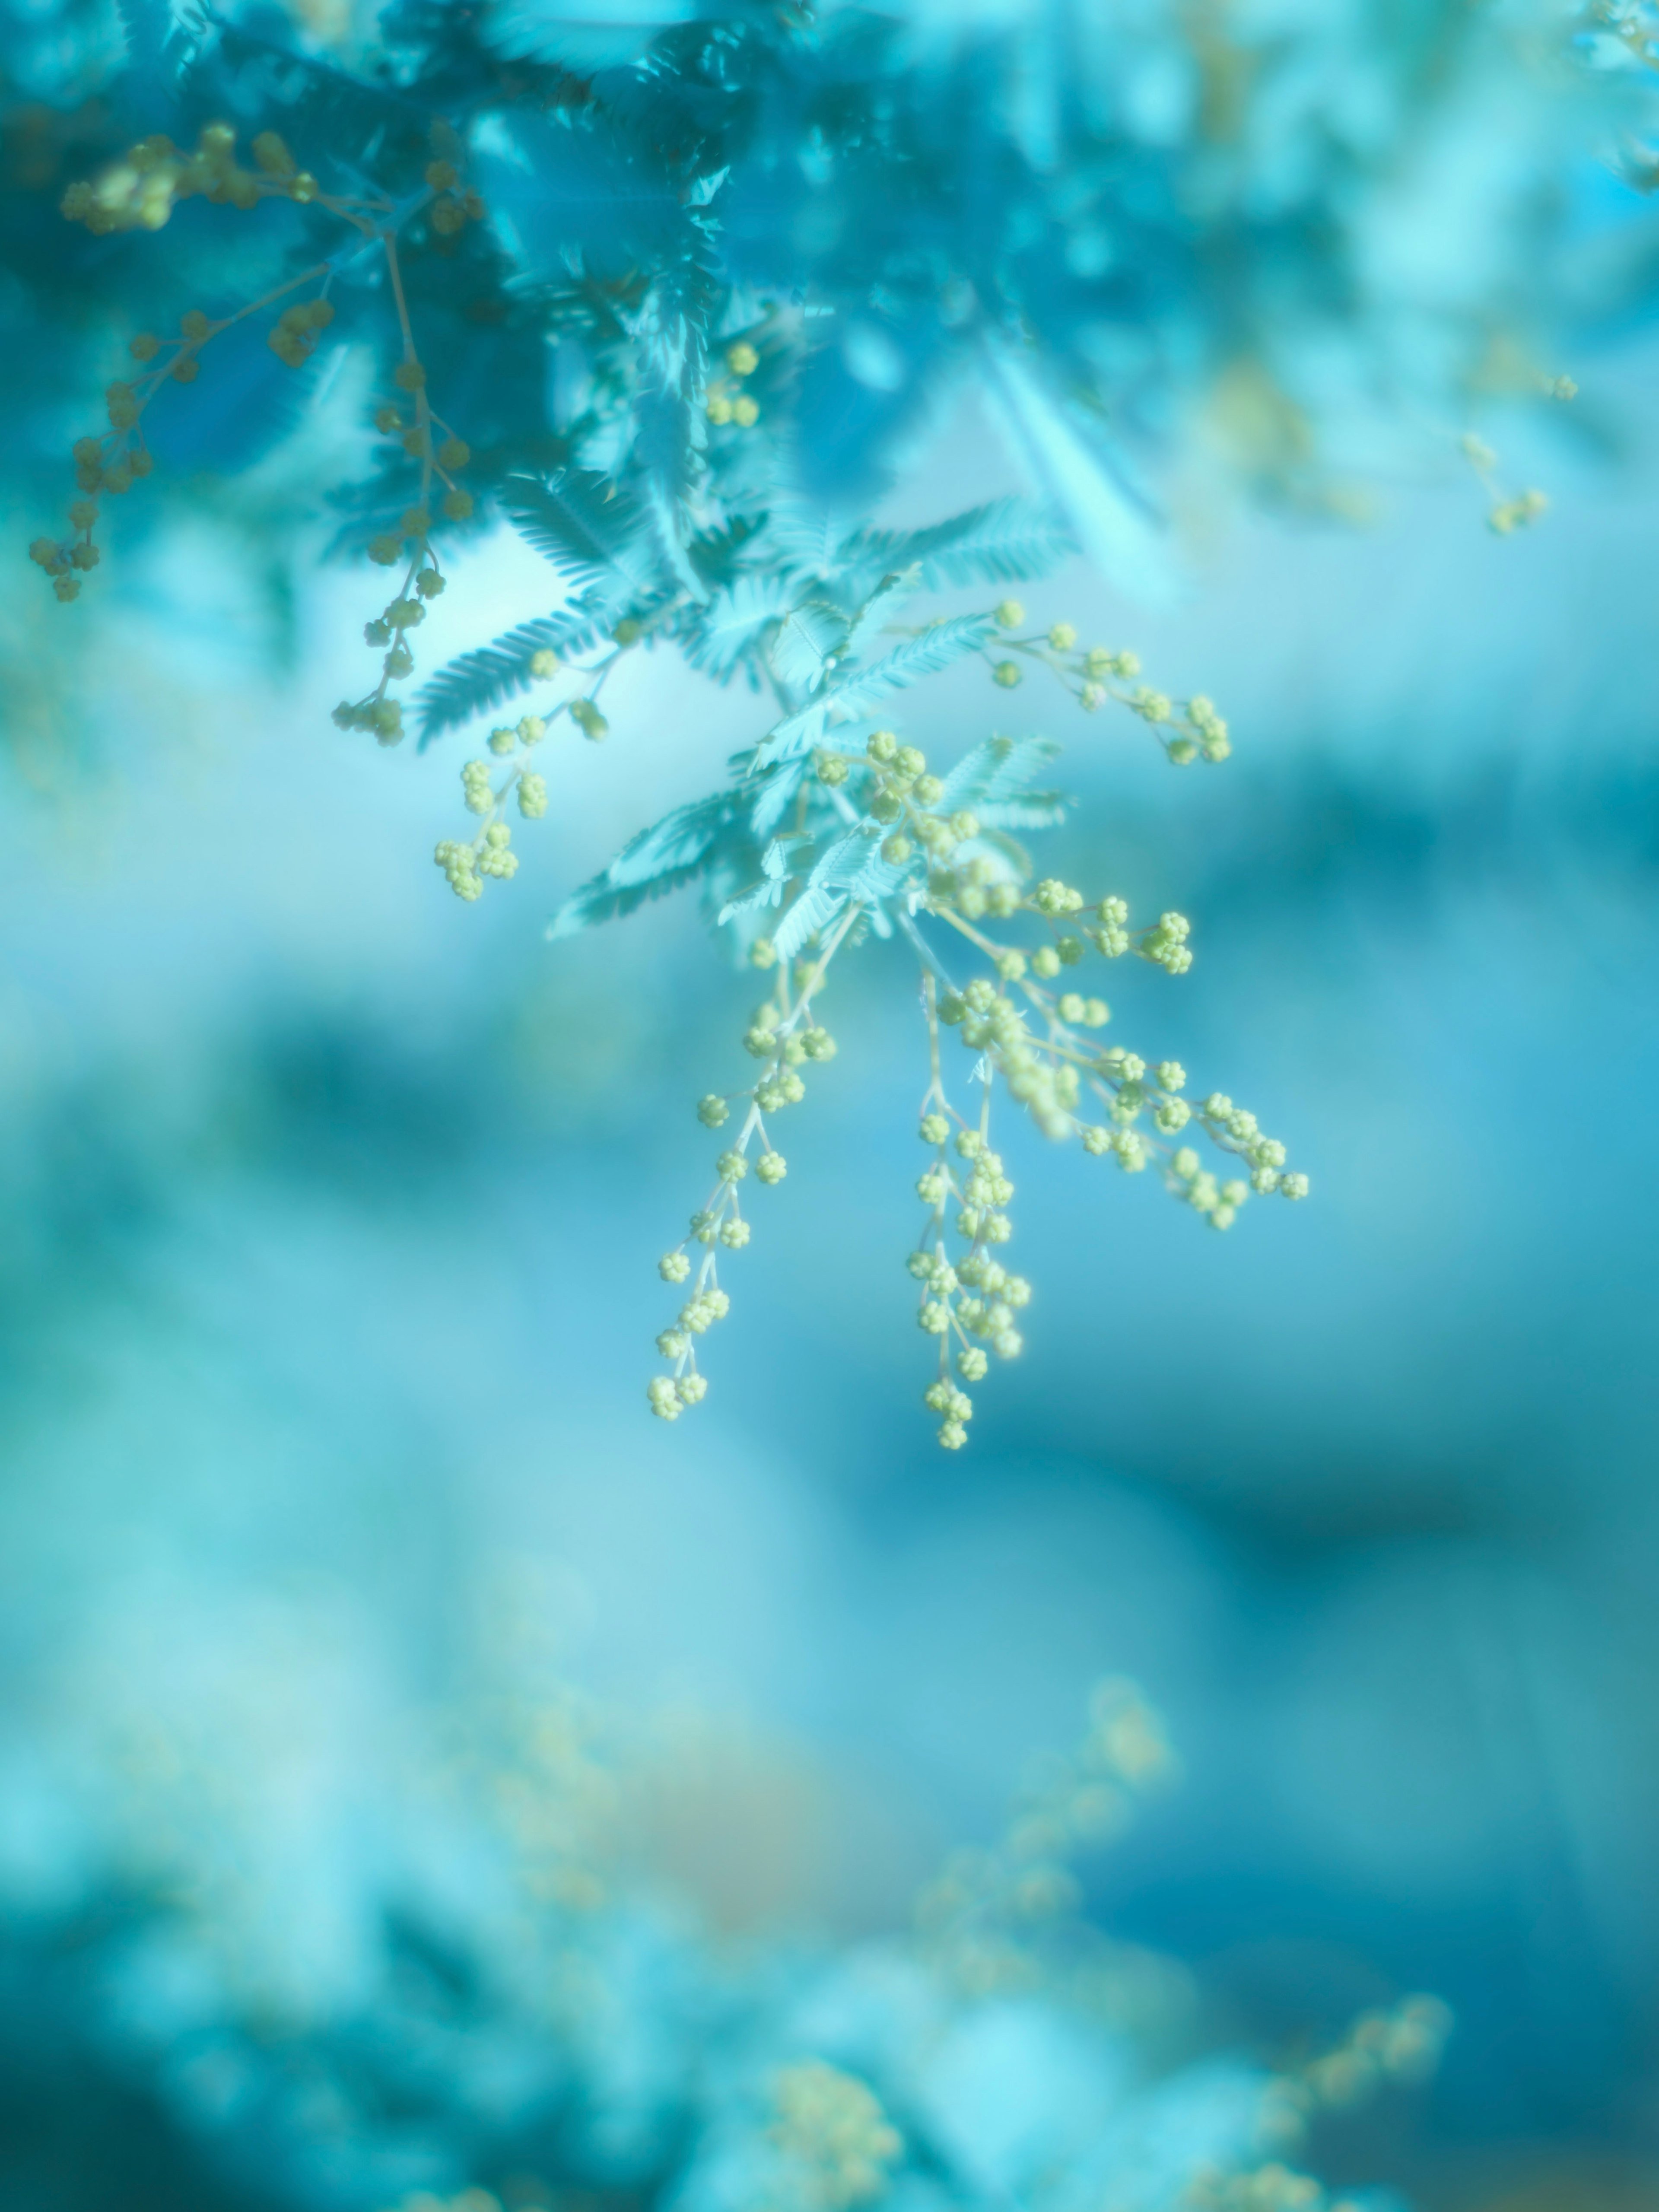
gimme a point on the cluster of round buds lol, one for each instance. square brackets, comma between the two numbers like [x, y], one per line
[955, 1408]
[59, 562]
[668, 1396]
[1401, 2044]
[1165, 944]
[718, 1222]
[452, 209]
[831, 2128]
[1069, 1803]
[982, 887]
[1218, 1202]
[458, 863]
[1111, 936]
[1507, 515]
[726, 403]
[466, 864]
[66, 560]
[970, 1303]
[415, 436]
[114, 462]
[1234, 1128]
[405, 612]
[1151, 706]
[787, 1045]
[781, 1084]
[1046, 1073]
[785, 1039]
[991, 1022]
[446, 456]
[409, 540]
[902, 799]
[382, 718]
[139, 192]
[1213, 739]
[1512, 514]
[1270, 2188]
[293, 339]
[1055, 899]
[1097, 673]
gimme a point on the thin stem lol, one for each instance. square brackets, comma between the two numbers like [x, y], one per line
[924, 951]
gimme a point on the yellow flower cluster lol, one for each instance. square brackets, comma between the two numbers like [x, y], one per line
[1026, 1022]
[293, 339]
[452, 209]
[114, 461]
[140, 191]
[1401, 2044]
[466, 863]
[831, 2129]
[1047, 1069]
[981, 1914]
[725, 401]
[784, 1035]
[1510, 514]
[1188, 729]
[409, 539]
[976, 1297]
[1507, 513]
[1269, 2188]
[427, 440]
[1037, 1039]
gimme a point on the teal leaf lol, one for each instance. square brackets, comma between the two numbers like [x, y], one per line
[1116, 533]
[925, 655]
[806, 641]
[998, 769]
[815, 909]
[806, 539]
[723, 635]
[480, 680]
[1006, 542]
[580, 521]
[1039, 810]
[880, 609]
[770, 792]
[675, 851]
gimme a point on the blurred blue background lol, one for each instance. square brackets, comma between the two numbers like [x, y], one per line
[331, 1211]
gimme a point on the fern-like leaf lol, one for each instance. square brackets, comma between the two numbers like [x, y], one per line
[1000, 769]
[580, 519]
[1006, 542]
[880, 609]
[673, 852]
[480, 680]
[806, 640]
[720, 638]
[925, 655]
